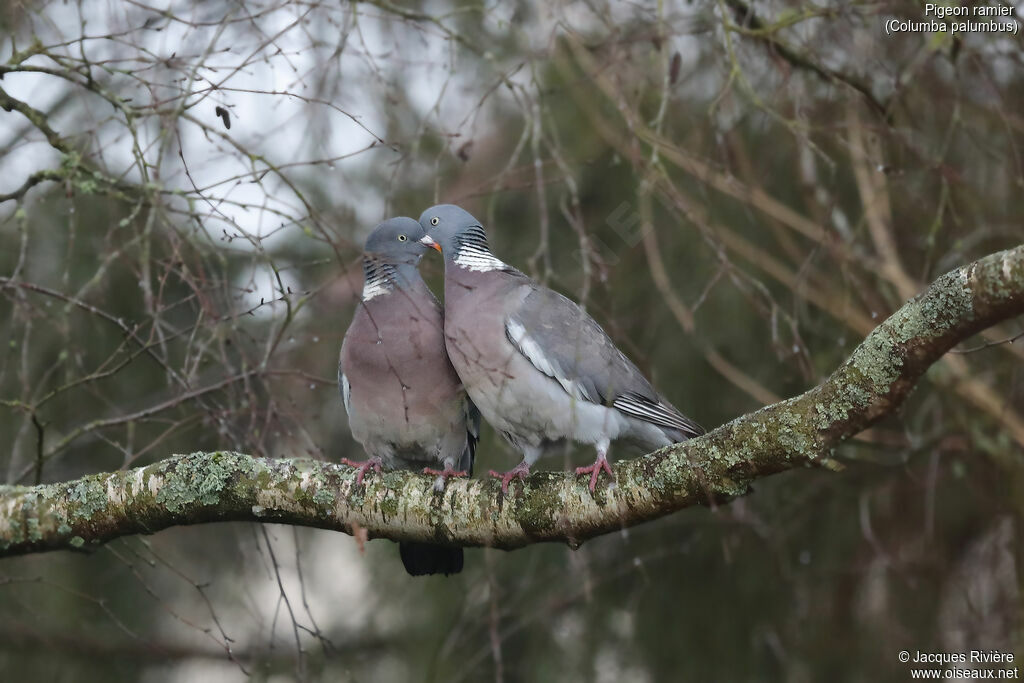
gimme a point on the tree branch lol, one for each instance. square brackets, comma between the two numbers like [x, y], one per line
[751, 25]
[550, 506]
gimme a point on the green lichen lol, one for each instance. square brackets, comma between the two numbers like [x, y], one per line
[199, 479]
[324, 497]
[827, 414]
[64, 529]
[34, 534]
[1006, 283]
[70, 160]
[87, 186]
[534, 507]
[668, 471]
[727, 456]
[792, 434]
[77, 541]
[389, 506]
[87, 497]
[878, 361]
[947, 303]
[843, 399]
[856, 396]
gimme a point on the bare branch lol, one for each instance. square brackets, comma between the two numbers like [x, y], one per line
[550, 506]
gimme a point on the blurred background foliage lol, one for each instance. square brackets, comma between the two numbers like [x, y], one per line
[738, 192]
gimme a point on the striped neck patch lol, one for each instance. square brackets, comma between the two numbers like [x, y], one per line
[378, 278]
[474, 254]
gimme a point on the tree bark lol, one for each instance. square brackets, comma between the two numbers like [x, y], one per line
[549, 506]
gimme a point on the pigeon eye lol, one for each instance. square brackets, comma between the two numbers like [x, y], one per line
[402, 238]
[435, 220]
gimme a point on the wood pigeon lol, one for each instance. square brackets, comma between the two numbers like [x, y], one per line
[405, 404]
[536, 365]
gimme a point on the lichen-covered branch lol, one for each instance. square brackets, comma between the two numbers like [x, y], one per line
[550, 506]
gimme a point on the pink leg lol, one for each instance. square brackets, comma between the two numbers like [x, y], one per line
[446, 472]
[520, 471]
[600, 464]
[443, 476]
[372, 463]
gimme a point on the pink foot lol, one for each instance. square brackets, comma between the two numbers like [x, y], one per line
[595, 470]
[520, 471]
[444, 475]
[372, 463]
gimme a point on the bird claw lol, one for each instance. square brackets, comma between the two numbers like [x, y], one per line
[520, 471]
[444, 475]
[372, 463]
[446, 472]
[595, 470]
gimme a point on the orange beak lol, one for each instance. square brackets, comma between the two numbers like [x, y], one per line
[428, 241]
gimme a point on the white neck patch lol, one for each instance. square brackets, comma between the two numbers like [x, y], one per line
[476, 259]
[375, 287]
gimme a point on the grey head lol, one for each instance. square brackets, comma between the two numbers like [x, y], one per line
[392, 252]
[396, 241]
[451, 229]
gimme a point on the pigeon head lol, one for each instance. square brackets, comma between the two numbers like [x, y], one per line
[396, 241]
[447, 227]
[459, 236]
[392, 252]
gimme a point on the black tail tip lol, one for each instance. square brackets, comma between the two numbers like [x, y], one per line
[423, 559]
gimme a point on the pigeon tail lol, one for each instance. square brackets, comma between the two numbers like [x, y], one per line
[422, 559]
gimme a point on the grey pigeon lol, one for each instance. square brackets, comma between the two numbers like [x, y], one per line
[536, 365]
[405, 404]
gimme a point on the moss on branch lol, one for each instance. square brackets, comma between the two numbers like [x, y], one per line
[550, 506]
